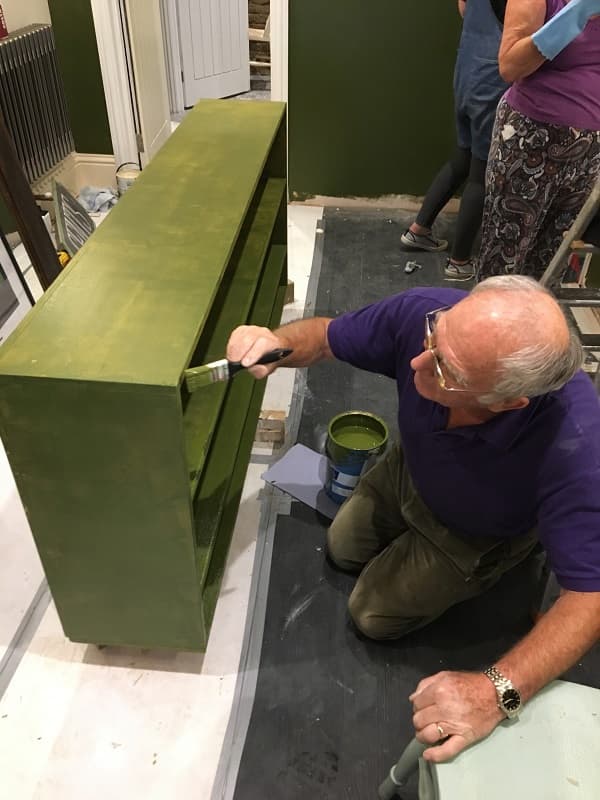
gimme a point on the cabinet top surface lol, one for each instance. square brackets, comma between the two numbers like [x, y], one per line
[129, 307]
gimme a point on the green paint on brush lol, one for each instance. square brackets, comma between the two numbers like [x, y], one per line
[223, 370]
[198, 377]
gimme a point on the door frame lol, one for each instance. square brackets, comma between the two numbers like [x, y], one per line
[115, 79]
[113, 65]
[279, 49]
[278, 42]
[168, 10]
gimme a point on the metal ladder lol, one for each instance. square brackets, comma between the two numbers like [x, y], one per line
[579, 297]
[579, 226]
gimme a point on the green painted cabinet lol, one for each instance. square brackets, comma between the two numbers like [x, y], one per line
[131, 485]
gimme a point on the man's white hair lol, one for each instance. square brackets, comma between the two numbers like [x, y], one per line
[534, 369]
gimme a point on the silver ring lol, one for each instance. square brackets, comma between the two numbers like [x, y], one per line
[441, 731]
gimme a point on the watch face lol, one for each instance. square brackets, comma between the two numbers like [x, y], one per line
[511, 700]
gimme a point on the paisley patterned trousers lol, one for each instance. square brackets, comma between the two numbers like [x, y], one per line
[538, 178]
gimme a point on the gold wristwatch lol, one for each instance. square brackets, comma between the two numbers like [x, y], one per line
[509, 698]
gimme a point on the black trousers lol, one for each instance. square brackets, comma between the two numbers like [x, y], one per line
[463, 166]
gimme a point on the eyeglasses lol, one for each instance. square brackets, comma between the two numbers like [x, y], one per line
[431, 319]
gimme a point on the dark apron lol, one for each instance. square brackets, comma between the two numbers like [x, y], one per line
[478, 86]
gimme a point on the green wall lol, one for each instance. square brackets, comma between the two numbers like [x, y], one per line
[77, 51]
[370, 95]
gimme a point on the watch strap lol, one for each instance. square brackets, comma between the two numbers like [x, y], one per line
[502, 684]
[498, 679]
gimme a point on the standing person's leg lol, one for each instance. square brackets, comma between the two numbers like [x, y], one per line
[471, 211]
[480, 92]
[443, 187]
[449, 179]
[580, 158]
[460, 265]
[520, 186]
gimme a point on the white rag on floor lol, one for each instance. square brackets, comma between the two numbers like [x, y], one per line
[93, 198]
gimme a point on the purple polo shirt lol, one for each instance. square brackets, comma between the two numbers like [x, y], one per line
[539, 465]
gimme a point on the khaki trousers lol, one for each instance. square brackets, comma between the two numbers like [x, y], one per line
[412, 568]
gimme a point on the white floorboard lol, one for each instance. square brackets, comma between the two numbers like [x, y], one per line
[20, 568]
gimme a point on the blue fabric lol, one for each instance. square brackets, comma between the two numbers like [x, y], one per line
[565, 26]
[478, 86]
[96, 199]
[535, 466]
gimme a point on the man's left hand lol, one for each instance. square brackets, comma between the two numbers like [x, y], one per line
[456, 709]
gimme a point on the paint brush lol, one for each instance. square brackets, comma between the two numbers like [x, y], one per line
[223, 370]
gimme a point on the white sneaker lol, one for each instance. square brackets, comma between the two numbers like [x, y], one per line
[423, 241]
[459, 272]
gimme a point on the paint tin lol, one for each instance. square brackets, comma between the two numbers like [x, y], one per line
[353, 438]
[126, 175]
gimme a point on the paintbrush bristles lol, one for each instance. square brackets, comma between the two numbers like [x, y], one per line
[198, 377]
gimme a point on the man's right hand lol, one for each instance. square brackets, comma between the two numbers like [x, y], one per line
[307, 338]
[248, 343]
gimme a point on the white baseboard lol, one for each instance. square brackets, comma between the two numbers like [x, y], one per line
[95, 169]
[403, 202]
[78, 170]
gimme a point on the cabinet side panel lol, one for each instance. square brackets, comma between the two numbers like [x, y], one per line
[101, 472]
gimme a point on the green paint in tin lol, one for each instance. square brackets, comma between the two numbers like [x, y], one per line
[353, 437]
[356, 438]
[356, 432]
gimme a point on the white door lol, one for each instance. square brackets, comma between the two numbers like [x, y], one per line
[214, 48]
[149, 88]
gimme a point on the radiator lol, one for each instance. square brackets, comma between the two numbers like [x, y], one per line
[32, 100]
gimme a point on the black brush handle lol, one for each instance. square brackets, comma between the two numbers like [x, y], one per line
[268, 358]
